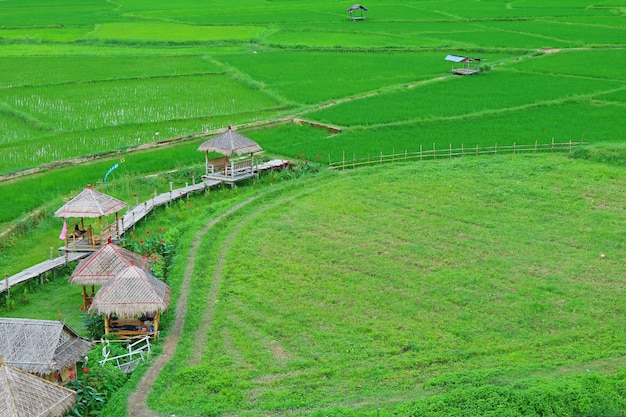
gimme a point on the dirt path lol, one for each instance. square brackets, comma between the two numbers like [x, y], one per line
[200, 339]
[138, 400]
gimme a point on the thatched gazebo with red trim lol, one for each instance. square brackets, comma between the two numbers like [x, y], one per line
[102, 265]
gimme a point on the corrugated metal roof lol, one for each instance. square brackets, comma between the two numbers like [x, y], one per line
[458, 58]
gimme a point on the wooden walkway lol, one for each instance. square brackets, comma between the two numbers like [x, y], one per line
[40, 269]
[126, 222]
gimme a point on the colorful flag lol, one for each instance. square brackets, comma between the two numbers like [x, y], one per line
[63, 234]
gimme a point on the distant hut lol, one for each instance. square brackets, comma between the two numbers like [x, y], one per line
[102, 265]
[357, 12]
[23, 394]
[229, 168]
[90, 204]
[464, 65]
[45, 348]
[132, 302]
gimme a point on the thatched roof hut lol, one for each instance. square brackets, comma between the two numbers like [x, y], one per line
[23, 394]
[229, 143]
[42, 347]
[102, 265]
[226, 169]
[357, 12]
[130, 293]
[91, 203]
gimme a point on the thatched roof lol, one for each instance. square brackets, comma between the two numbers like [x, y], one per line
[102, 265]
[230, 142]
[40, 346]
[90, 203]
[132, 291]
[26, 395]
[357, 7]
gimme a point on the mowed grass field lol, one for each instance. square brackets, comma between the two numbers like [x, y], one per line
[460, 287]
[454, 288]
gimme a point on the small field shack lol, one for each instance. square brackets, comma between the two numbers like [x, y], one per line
[357, 12]
[464, 65]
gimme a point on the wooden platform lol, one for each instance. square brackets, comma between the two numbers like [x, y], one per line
[464, 71]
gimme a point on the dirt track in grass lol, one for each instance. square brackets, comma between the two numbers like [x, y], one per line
[138, 400]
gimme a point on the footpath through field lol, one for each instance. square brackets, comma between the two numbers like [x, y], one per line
[137, 401]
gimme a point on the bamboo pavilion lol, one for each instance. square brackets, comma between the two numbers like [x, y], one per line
[93, 204]
[46, 348]
[102, 265]
[23, 394]
[237, 162]
[132, 302]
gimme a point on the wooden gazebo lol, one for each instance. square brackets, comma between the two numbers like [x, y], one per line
[102, 265]
[357, 12]
[132, 302]
[464, 65]
[47, 348]
[23, 394]
[229, 168]
[89, 204]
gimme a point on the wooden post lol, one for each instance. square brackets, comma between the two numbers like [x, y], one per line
[193, 179]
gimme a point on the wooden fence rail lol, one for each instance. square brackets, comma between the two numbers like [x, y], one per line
[450, 152]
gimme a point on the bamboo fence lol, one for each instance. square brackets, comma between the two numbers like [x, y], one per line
[434, 153]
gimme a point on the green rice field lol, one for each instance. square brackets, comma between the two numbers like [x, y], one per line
[479, 286]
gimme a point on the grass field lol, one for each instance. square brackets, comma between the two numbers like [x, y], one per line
[376, 288]
[455, 288]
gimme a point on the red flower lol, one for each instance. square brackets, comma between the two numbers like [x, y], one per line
[72, 376]
[82, 308]
[141, 241]
[145, 252]
[147, 232]
[85, 370]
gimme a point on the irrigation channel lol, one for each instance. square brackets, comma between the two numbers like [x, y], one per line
[126, 222]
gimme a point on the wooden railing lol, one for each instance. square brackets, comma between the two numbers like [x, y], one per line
[431, 154]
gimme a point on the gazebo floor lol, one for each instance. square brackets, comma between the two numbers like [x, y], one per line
[228, 179]
[464, 71]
